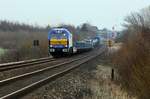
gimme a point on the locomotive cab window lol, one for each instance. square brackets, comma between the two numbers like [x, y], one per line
[58, 35]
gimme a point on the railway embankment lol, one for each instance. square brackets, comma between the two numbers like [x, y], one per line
[91, 81]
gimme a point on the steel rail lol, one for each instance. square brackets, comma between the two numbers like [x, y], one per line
[24, 64]
[9, 80]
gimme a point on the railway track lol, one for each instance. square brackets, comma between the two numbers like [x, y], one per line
[20, 85]
[18, 68]
[27, 63]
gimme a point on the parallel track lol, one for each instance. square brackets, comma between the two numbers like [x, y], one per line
[39, 77]
[10, 66]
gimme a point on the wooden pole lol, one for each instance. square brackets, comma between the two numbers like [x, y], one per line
[112, 74]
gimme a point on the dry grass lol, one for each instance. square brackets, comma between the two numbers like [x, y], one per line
[103, 88]
[20, 45]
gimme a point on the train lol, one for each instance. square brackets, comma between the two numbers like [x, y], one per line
[61, 43]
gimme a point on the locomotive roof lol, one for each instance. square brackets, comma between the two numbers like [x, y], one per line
[58, 29]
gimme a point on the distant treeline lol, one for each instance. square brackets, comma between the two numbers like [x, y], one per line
[12, 33]
[16, 26]
[7, 26]
[18, 39]
[81, 32]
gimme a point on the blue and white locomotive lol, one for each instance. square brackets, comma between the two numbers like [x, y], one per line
[61, 43]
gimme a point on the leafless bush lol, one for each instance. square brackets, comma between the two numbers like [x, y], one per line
[133, 60]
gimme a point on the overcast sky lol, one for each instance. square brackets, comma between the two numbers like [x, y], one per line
[102, 13]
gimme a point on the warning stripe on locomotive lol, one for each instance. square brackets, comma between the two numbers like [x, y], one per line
[57, 42]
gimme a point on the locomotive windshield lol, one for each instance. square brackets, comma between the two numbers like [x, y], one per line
[58, 35]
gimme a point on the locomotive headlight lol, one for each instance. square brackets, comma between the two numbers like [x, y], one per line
[66, 45]
[51, 45]
[52, 50]
[65, 50]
